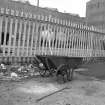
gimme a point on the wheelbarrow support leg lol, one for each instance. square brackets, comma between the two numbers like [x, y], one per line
[70, 74]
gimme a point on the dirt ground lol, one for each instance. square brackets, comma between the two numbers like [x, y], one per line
[83, 90]
[97, 70]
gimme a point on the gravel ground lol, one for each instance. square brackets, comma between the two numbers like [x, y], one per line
[83, 90]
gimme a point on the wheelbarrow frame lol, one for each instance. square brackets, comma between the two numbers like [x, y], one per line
[54, 64]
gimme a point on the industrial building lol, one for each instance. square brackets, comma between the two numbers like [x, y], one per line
[95, 13]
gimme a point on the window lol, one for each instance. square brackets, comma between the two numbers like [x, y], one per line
[41, 42]
[2, 38]
[7, 38]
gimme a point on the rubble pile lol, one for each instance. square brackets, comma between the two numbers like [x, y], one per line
[17, 71]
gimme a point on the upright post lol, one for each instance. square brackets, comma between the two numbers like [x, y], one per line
[37, 3]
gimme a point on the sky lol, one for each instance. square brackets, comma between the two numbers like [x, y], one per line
[68, 6]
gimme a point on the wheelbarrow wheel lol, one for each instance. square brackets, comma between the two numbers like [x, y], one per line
[62, 71]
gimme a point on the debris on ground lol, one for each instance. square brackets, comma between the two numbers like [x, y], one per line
[3, 68]
[17, 71]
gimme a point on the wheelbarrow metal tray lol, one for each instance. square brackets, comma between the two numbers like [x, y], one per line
[56, 61]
